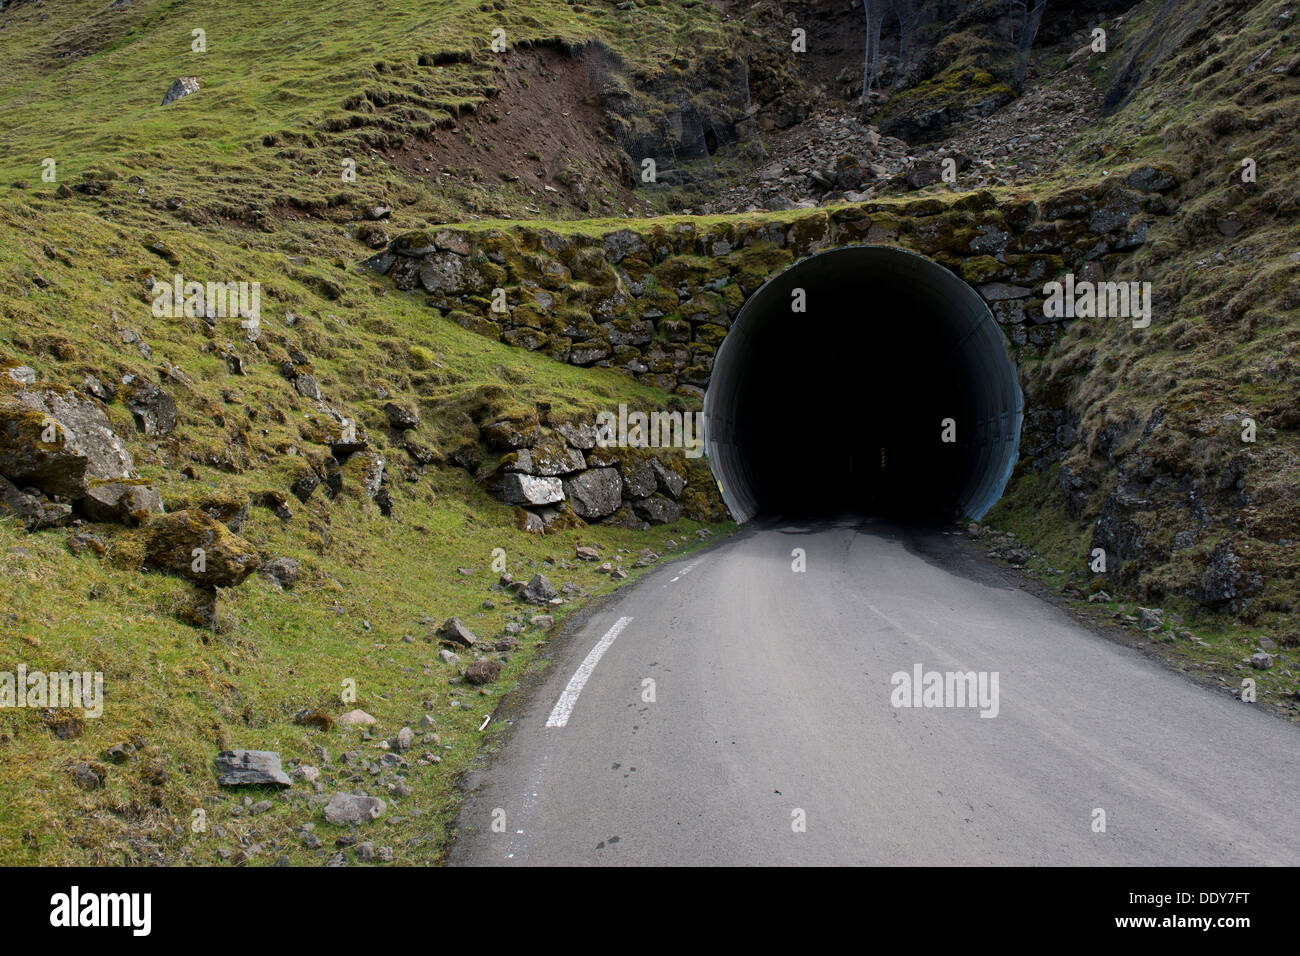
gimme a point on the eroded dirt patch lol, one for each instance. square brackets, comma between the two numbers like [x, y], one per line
[543, 133]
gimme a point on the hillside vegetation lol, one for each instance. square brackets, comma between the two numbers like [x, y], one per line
[1136, 435]
[241, 181]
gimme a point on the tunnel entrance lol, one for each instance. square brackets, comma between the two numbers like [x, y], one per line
[892, 393]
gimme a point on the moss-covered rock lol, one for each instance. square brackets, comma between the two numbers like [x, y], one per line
[199, 548]
[37, 451]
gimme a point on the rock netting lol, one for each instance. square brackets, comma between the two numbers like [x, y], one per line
[657, 301]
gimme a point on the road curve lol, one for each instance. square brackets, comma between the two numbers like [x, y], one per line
[772, 704]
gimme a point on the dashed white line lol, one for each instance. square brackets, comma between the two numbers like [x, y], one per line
[564, 706]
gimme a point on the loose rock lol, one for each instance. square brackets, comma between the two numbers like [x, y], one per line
[237, 768]
[347, 808]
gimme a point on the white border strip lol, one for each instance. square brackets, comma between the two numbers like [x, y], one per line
[564, 706]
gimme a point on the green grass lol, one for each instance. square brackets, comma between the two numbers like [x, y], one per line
[189, 694]
[72, 280]
[250, 166]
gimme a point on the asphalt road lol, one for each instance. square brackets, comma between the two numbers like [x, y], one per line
[772, 705]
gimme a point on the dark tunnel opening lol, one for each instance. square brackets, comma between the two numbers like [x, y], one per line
[891, 394]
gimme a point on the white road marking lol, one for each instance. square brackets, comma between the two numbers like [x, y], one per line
[564, 706]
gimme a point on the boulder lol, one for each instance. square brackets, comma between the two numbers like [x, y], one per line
[538, 590]
[27, 459]
[1261, 660]
[448, 241]
[307, 386]
[586, 353]
[582, 436]
[130, 502]
[529, 521]
[1225, 578]
[658, 509]
[345, 436]
[400, 417]
[1001, 291]
[625, 517]
[81, 444]
[549, 457]
[512, 432]
[275, 502]
[86, 777]
[623, 243]
[348, 808]
[638, 479]
[1151, 179]
[450, 274]
[283, 571]
[230, 509]
[454, 631]
[526, 338]
[922, 174]
[238, 768]
[82, 541]
[518, 489]
[153, 409]
[595, 493]
[1150, 619]
[305, 484]
[88, 428]
[34, 512]
[182, 87]
[668, 481]
[200, 548]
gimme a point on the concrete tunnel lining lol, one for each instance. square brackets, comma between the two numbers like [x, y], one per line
[876, 302]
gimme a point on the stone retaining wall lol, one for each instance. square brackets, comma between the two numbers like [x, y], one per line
[657, 299]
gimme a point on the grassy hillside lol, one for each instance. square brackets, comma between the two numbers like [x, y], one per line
[241, 182]
[1156, 470]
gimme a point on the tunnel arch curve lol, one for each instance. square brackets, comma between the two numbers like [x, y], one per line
[844, 406]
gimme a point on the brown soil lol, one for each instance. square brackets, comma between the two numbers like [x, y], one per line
[544, 126]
